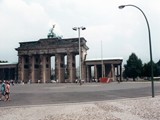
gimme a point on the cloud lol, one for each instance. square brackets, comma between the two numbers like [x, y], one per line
[122, 31]
[19, 22]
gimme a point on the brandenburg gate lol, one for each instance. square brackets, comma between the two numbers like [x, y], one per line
[34, 59]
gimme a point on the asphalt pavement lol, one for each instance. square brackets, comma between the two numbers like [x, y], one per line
[59, 93]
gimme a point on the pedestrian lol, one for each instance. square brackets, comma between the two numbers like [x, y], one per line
[80, 82]
[12, 82]
[3, 90]
[0, 91]
[7, 95]
[117, 79]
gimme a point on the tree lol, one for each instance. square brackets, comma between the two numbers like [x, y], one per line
[133, 68]
[147, 69]
[158, 68]
[3, 61]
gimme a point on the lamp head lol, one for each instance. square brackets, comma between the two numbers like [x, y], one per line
[121, 6]
[75, 28]
[83, 28]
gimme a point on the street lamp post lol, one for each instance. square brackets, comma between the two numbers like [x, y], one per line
[150, 46]
[80, 67]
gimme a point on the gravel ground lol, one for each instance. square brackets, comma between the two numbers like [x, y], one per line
[127, 109]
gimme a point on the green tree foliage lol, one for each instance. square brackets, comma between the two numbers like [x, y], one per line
[158, 67]
[147, 69]
[3, 61]
[133, 68]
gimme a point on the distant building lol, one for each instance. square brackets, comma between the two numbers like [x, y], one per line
[106, 67]
[9, 71]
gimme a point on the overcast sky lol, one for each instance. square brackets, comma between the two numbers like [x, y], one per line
[121, 31]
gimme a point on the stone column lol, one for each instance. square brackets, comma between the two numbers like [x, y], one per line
[95, 72]
[37, 68]
[83, 66]
[83, 71]
[26, 68]
[103, 72]
[113, 72]
[31, 68]
[71, 69]
[117, 75]
[89, 77]
[120, 72]
[59, 67]
[48, 68]
[20, 68]
[43, 68]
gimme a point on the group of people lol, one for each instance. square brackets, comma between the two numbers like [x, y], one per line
[5, 91]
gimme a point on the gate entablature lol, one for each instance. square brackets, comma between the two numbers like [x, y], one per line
[51, 46]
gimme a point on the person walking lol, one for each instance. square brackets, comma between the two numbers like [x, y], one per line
[7, 95]
[0, 91]
[3, 90]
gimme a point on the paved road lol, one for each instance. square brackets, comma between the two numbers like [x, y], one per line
[57, 93]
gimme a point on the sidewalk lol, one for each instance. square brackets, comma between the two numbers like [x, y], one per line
[127, 109]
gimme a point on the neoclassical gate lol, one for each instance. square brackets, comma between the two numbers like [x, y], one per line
[34, 62]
